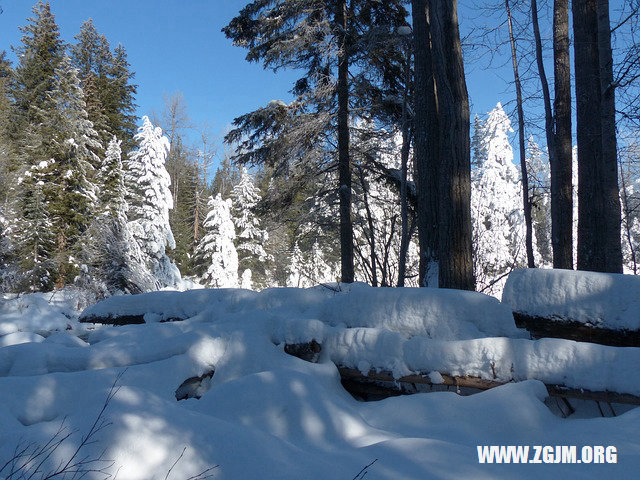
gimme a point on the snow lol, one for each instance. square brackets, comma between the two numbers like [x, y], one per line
[265, 414]
[604, 300]
[435, 313]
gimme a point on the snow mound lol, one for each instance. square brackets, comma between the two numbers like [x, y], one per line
[17, 338]
[38, 312]
[165, 305]
[602, 300]
[434, 313]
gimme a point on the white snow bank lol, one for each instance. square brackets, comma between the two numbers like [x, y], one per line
[270, 415]
[41, 313]
[431, 312]
[17, 338]
[604, 300]
[128, 347]
[435, 313]
[165, 305]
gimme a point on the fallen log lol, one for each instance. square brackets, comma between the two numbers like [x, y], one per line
[561, 391]
[383, 383]
[543, 327]
[120, 320]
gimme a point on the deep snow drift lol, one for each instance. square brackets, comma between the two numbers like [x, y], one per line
[265, 414]
[604, 300]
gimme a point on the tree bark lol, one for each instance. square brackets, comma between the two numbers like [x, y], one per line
[561, 162]
[611, 190]
[344, 162]
[599, 245]
[426, 145]
[526, 201]
[454, 189]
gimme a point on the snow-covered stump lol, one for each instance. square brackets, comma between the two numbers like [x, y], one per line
[601, 308]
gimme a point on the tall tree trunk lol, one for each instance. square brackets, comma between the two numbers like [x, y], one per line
[406, 147]
[426, 145]
[526, 201]
[344, 162]
[599, 246]
[561, 162]
[558, 132]
[611, 190]
[454, 210]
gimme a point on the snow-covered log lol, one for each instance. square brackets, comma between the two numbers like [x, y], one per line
[592, 307]
[382, 382]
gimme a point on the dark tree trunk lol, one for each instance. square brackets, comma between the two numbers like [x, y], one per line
[611, 190]
[426, 145]
[344, 162]
[454, 209]
[406, 147]
[562, 161]
[526, 201]
[599, 246]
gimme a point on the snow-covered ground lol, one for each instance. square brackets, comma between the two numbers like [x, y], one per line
[265, 414]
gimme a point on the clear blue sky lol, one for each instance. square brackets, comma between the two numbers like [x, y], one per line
[177, 45]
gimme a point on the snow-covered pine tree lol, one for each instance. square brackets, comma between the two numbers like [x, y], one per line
[149, 197]
[296, 265]
[111, 180]
[250, 238]
[71, 189]
[498, 220]
[31, 151]
[33, 236]
[116, 262]
[216, 253]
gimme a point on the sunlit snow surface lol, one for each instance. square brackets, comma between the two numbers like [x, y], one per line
[268, 415]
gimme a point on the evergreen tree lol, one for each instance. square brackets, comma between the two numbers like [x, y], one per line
[32, 135]
[5, 107]
[185, 184]
[34, 239]
[149, 197]
[250, 238]
[38, 57]
[120, 102]
[116, 264]
[216, 252]
[72, 192]
[324, 39]
[498, 223]
[93, 58]
[111, 180]
[226, 177]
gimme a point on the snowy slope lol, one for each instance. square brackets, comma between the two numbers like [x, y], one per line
[269, 415]
[603, 300]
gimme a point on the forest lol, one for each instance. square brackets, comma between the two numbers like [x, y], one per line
[373, 173]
